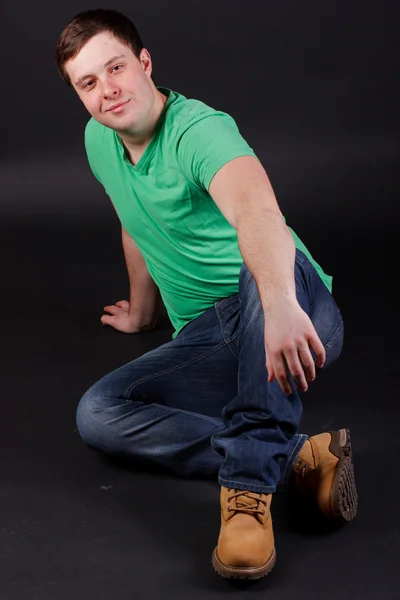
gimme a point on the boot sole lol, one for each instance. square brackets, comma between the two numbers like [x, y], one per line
[242, 572]
[343, 496]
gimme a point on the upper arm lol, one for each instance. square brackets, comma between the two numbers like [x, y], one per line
[214, 155]
[240, 184]
[207, 143]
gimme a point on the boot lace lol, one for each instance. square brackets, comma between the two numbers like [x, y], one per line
[243, 507]
[305, 469]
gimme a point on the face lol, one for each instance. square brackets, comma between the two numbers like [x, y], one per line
[114, 85]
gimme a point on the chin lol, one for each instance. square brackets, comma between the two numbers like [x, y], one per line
[127, 124]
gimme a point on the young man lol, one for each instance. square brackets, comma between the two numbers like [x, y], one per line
[253, 312]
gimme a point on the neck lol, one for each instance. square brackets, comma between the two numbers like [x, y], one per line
[136, 142]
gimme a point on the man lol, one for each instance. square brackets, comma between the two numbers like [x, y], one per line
[253, 312]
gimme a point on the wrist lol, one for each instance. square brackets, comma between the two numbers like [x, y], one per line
[142, 324]
[277, 300]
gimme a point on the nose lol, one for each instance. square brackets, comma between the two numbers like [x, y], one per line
[109, 89]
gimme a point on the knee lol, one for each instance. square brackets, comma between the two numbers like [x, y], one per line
[334, 347]
[88, 418]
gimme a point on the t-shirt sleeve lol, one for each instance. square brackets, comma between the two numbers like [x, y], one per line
[206, 145]
[90, 146]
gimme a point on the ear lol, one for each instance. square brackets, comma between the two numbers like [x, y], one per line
[145, 61]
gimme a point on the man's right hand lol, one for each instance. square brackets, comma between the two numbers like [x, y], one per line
[120, 319]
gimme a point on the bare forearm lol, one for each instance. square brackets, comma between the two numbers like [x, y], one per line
[144, 294]
[144, 301]
[268, 250]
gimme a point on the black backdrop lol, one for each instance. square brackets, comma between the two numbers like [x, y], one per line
[313, 87]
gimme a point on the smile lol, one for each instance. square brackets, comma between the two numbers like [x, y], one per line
[117, 107]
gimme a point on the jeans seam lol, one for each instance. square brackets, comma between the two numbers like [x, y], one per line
[172, 369]
[199, 415]
[232, 339]
[327, 343]
[285, 479]
[220, 316]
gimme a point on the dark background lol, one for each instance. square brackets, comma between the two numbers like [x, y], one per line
[313, 87]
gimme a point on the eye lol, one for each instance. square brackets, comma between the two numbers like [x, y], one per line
[87, 84]
[116, 67]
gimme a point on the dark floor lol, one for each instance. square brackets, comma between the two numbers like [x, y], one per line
[77, 526]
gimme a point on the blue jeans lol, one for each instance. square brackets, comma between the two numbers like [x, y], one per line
[201, 404]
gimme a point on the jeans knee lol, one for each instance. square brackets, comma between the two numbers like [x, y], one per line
[334, 347]
[87, 420]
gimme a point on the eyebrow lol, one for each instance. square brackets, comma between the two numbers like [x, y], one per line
[107, 64]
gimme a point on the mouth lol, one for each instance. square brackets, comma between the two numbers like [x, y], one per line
[117, 107]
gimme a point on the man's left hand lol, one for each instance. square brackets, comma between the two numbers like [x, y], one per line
[288, 335]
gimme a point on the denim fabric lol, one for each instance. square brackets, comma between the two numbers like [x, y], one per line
[201, 404]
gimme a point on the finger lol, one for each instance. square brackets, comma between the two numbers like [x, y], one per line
[319, 350]
[271, 374]
[122, 304]
[112, 309]
[296, 368]
[281, 373]
[107, 320]
[307, 362]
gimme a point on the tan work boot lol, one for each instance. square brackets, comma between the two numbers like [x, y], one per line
[324, 468]
[246, 541]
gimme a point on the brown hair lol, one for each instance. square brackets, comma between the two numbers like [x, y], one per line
[86, 25]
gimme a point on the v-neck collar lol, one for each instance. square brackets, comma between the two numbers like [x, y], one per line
[148, 153]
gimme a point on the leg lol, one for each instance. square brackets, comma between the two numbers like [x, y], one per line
[260, 442]
[163, 407]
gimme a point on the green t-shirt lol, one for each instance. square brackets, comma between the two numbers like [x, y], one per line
[190, 249]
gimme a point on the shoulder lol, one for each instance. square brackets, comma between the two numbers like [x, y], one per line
[186, 112]
[99, 147]
[95, 133]
[99, 143]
